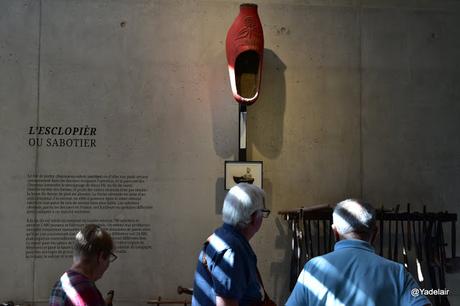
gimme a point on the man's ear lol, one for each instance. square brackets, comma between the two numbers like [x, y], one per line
[101, 257]
[253, 217]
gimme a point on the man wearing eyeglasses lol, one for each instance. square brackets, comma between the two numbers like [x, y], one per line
[227, 272]
[93, 253]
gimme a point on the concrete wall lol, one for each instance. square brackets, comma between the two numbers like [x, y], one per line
[358, 99]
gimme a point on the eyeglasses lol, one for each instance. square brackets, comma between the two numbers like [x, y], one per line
[112, 257]
[265, 212]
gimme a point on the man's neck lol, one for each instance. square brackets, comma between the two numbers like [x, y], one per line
[352, 237]
[84, 269]
[247, 232]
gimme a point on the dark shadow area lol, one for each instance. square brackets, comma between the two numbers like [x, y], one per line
[247, 74]
[224, 108]
[278, 272]
[266, 115]
[220, 195]
[268, 188]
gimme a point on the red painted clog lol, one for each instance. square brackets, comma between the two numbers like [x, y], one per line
[245, 48]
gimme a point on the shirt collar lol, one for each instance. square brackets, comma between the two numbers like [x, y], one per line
[234, 230]
[237, 234]
[354, 244]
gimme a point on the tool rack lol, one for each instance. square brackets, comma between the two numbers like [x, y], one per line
[415, 239]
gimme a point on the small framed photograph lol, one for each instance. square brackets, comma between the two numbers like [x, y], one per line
[250, 172]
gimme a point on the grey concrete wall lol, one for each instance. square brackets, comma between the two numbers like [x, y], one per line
[358, 99]
[18, 105]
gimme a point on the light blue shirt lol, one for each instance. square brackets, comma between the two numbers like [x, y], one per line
[354, 275]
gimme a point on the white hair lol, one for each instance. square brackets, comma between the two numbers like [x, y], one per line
[354, 217]
[241, 202]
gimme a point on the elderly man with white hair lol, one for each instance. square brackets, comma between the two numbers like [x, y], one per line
[353, 274]
[227, 272]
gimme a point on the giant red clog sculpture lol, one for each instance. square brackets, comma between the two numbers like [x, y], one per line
[245, 47]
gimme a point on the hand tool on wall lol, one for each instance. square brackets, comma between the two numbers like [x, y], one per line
[295, 246]
[390, 254]
[303, 252]
[453, 263]
[324, 237]
[425, 218]
[310, 238]
[396, 254]
[299, 257]
[183, 290]
[305, 235]
[293, 275]
[404, 249]
[331, 236]
[430, 248]
[453, 239]
[421, 235]
[381, 234]
[442, 260]
[409, 235]
[318, 241]
[418, 253]
[425, 241]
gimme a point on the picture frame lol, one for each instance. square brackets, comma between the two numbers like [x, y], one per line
[250, 172]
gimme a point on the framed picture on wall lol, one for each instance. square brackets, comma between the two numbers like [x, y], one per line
[250, 172]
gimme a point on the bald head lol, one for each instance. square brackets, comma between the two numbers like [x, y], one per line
[354, 219]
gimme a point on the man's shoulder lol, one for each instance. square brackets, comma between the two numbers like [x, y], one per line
[319, 261]
[383, 263]
[368, 258]
[228, 245]
[79, 281]
[75, 282]
[223, 239]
